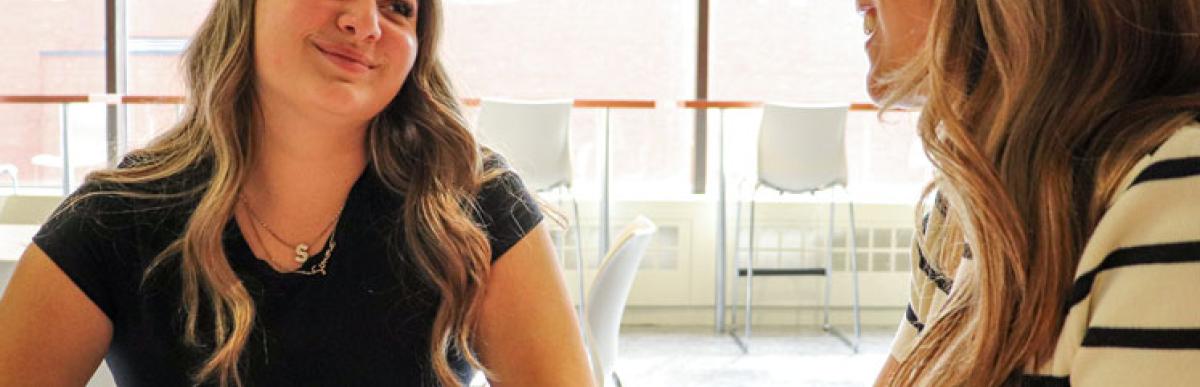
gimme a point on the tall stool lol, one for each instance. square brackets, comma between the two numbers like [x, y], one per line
[801, 149]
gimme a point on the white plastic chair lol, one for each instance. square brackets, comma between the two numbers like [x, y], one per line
[534, 136]
[27, 209]
[609, 292]
[801, 149]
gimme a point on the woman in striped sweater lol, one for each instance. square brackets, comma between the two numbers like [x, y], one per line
[1061, 242]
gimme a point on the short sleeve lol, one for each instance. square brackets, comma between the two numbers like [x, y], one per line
[85, 241]
[507, 210]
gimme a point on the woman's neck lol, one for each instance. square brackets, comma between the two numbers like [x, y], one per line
[302, 161]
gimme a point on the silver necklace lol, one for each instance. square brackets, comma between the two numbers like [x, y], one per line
[301, 249]
[319, 269]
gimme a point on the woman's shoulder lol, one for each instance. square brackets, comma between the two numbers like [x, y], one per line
[106, 232]
[1136, 280]
[1158, 203]
[501, 185]
[106, 202]
[506, 209]
[1177, 158]
[1169, 171]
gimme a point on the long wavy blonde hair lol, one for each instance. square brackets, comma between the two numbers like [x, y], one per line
[1034, 111]
[419, 145]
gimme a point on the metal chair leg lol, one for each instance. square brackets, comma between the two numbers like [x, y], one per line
[737, 238]
[829, 265]
[580, 265]
[854, 276]
[853, 258]
[750, 266]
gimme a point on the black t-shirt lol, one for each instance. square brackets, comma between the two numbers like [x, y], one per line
[366, 323]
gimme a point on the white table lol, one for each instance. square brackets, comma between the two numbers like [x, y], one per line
[14, 238]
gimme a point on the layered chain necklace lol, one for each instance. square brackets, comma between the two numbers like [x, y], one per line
[301, 249]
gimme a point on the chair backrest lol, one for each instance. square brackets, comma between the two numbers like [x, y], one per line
[27, 209]
[610, 290]
[802, 148]
[532, 135]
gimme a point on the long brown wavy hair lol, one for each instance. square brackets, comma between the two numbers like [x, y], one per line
[1034, 111]
[419, 145]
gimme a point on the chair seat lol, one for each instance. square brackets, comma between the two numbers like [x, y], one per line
[784, 271]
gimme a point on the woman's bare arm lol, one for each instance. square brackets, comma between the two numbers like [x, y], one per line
[51, 334]
[528, 333]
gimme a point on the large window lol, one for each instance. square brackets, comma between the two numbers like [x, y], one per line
[773, 50]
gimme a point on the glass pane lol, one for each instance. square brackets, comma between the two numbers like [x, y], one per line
[787, 50]
[839, 260]
[766, 239]
[862, 238]
[883, 237]
[791, 259]
[30, 150]
[537, 49]
[148, 120]
[158, 31]
[904, 237]
[881, 261]
[791, 238]
[667, 237]
[50, 48]
[903, 261]
[798, 51]
[863, 261]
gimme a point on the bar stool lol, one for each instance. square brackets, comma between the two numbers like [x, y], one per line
[801, 149]
[534, 137]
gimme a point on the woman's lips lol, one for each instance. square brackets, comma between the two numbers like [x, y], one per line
[870, 25]
[348, 61]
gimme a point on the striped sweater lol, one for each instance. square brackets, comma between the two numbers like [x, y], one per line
[1134, 309]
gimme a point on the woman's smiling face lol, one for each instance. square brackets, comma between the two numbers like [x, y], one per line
[348, 57]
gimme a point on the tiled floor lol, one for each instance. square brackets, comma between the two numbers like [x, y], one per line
[657, 356]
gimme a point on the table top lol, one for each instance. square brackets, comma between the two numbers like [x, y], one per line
[14, 238]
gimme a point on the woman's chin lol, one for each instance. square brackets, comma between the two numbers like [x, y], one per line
[877, 90]
[347, 103]
[881, 92]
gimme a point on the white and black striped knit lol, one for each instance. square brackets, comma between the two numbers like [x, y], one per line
[1134, 309]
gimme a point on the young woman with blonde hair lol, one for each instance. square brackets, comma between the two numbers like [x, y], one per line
[1062, 242]
[320, 216]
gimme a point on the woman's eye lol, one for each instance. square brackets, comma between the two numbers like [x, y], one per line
[402, 8]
